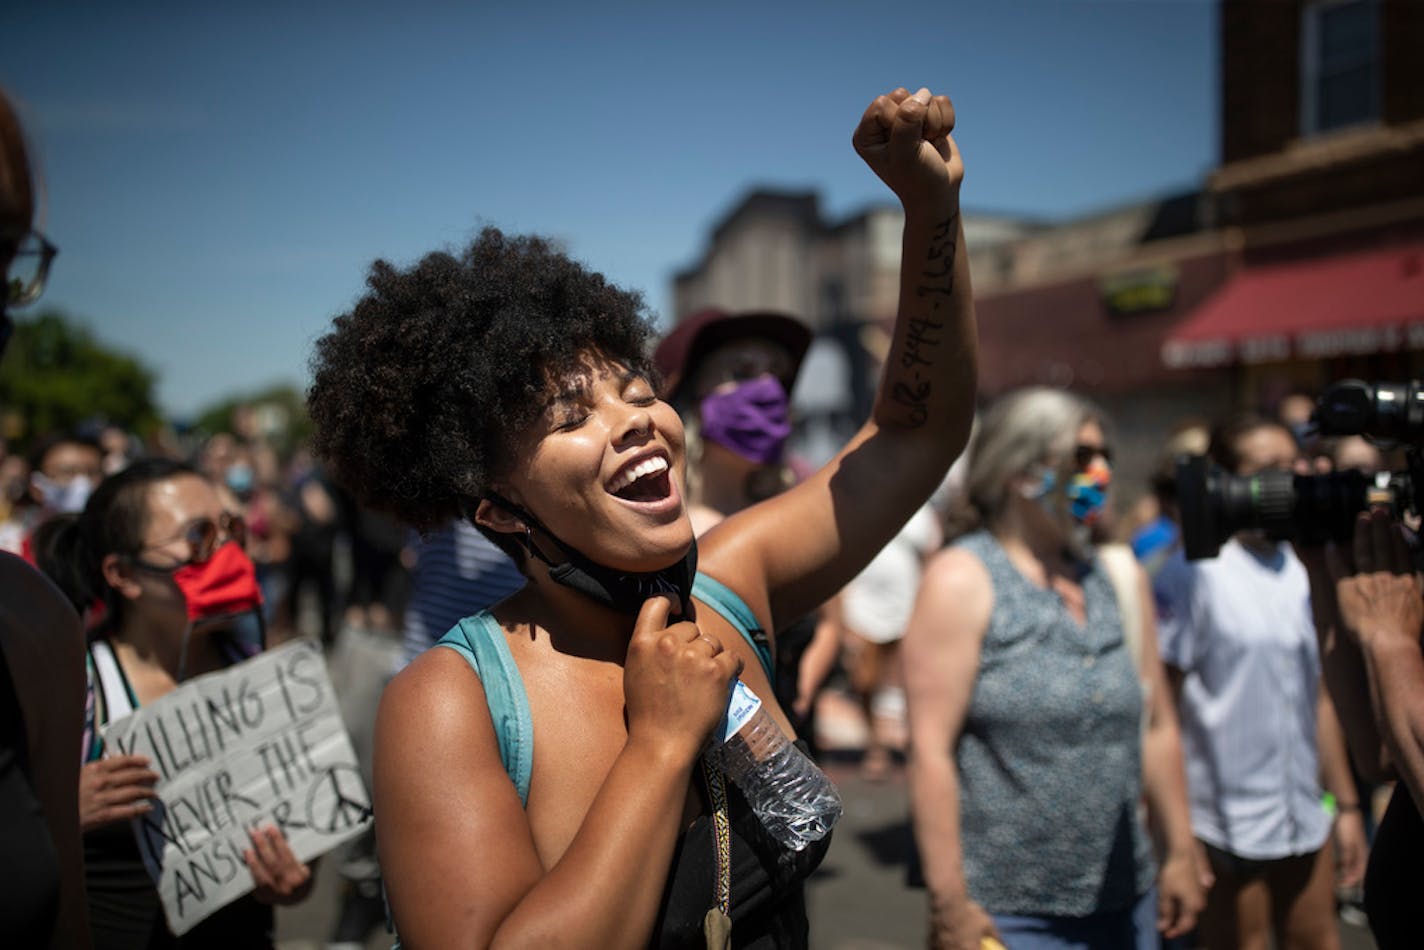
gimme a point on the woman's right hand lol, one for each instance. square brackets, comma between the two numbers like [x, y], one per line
[676, 681]
[963, 928]
[113, 789]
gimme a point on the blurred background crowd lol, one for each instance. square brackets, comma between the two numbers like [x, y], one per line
[1204, 320]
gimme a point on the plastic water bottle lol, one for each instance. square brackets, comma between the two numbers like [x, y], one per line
[794, 799]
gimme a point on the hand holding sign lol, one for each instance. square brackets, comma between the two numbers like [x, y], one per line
[280, 877]
[115, 789]
[255, 775]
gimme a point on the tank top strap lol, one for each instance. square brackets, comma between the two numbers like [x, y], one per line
[480, 640]
[735, 611]
[113, 697]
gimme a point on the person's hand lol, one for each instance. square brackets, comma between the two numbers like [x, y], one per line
[1180, 893]
[1205, 876]
[905, 141]
[1381, 599]
[280, 877]
[676, 681]
[1351, 849]
[962, 927]
[113, 789]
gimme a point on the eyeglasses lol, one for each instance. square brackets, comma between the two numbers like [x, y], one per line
[1084, 454]
[204, 537]
[29, 269]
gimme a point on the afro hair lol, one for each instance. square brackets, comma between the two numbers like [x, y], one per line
[421, 390]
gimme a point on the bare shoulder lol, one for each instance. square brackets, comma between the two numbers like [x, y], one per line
[446, 807]
[439, 690]
[958, 573]
[956, 594]
[729, 553]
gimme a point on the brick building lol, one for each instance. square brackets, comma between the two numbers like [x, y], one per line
[1298, 261]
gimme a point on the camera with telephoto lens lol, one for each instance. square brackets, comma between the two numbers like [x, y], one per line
[1311, 509]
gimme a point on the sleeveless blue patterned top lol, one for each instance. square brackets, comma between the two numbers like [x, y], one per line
[1050, 758]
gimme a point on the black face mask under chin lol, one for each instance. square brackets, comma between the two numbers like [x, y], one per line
[624, 591]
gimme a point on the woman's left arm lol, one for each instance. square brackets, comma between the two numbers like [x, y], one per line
[1180, 894]
[805, 544]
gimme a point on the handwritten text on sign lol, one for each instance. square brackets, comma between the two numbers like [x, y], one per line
[260, 743]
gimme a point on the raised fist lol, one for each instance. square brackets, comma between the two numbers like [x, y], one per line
[905, 140]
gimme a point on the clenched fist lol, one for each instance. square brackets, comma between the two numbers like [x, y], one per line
[905, 140]
[675, 682]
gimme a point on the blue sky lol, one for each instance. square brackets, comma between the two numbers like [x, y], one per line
[219, 179]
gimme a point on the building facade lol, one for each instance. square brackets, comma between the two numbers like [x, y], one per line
[1298, 261]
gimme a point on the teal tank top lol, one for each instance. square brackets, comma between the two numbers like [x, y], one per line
[480, 640]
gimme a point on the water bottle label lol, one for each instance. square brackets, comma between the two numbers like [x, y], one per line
[741, 706]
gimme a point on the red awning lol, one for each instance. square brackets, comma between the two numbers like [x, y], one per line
[1368, 302]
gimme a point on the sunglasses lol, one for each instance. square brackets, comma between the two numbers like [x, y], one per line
[1083, 455]
[205, 536]
[29, 269]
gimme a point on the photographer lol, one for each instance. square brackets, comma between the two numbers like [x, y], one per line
[1378, 606]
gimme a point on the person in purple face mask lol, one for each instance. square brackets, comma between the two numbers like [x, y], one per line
[731, 376]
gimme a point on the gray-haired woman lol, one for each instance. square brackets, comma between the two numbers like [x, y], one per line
[1029, 756]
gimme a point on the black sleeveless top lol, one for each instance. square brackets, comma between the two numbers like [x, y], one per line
[768, 898]
[29, 875]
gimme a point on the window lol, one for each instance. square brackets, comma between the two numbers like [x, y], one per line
[1340, 76]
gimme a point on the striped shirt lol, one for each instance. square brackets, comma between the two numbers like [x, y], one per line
[458, 573]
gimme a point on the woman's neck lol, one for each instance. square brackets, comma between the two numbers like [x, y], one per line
[573, 622]
[1035, 549]
[723, 479]
[153, 644]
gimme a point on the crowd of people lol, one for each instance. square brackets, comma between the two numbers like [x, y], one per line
[1106, 744]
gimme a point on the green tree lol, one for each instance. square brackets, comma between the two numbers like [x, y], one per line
[280, 414]
[55, 375]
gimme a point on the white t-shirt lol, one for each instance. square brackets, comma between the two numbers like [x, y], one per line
[1240, 627]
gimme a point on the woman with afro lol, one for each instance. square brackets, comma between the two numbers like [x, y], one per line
[539, 781]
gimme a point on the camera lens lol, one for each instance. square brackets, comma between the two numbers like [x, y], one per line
[1309, 508]
[1386, 412]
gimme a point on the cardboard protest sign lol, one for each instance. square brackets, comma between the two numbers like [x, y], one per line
[260, 743]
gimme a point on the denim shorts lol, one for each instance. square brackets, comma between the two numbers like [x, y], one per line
[1132, 928]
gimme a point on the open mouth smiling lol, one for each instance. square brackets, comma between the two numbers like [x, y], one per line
[645, 480]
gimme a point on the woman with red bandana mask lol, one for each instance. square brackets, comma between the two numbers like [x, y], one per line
[155, 546]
